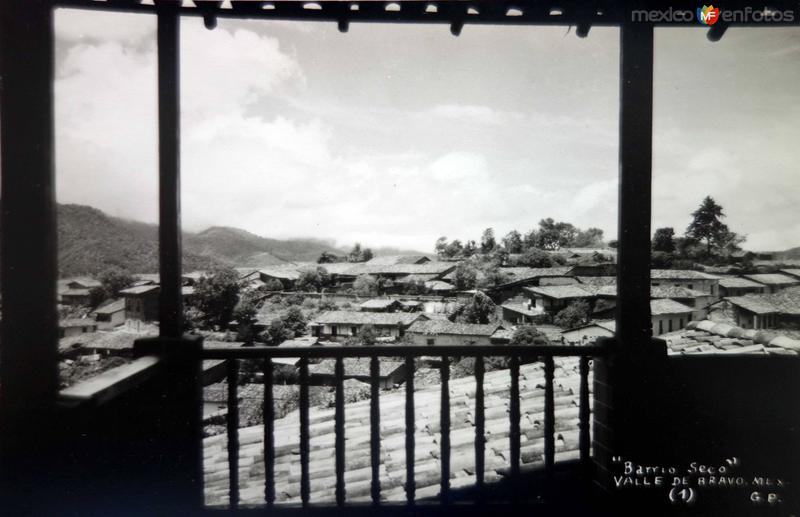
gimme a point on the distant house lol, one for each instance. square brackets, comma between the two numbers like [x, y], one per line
[588, 268]
[447, 333]
[774, 282]
[110, 315]
[147, 279]
[83, 283]
[697, 300]
[390, 260]
[440, 287]
[380, 305]
[286, 276]
[590, 332]
[792, 272]
[390, 372]
[596, 254]
[192, 277]
[761, 311]
[75, 297]
[298, 342]
[141, 303]
[518, 313]
[335, 324]
[685, 278]
[669, 315]
[553, 298]
[75, 327]
[411, 305]
[735, 286]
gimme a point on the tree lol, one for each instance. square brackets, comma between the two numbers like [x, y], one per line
[114, 280]
[530, 240]
[273, 285]
[494, 277]
[313, 279]
[534, 257]
[365, 285]
[528, 335]
[441, 246]
[367, 255]
[553, 235]
[664, 240]
[276, 333]
[454, 249]
[245, 315]
[295, 321]
[470, 248]
[465, 277]
[355, 253]
[217, 295]
[573, 315]
[327, 258]
[660, 260]
[707, 225]
[367, 335]
[512, 242]
[481, 309]
[589, 238]
[613, 244]
[487, 240]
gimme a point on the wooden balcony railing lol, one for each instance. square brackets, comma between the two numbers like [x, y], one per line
[516, 354]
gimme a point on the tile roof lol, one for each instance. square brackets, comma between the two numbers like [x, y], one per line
[597, 280]
[287, 273]
[667, 306]
[609, 325]
[709, 337]
[561, 291]
[733, 282]
[116, 340]
[378, 303]
[786, 301]
[388, 260]
[111, 307]
[448, 327]
[392, 430]
[77, 322]
[773, 279]
[439, 285]
[141, 289]
[791, 272]
[524, 273]
[83, 282]
[355, 367]
[680, 274]
[366, 318]
[428, 268]
[671, 291]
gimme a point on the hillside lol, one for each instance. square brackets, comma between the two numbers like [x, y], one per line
[89, 241]
[793, 253]
[246, 249]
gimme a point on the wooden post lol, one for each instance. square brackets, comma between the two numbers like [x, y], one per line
[169, 229]
[635, 182]
[29, 331]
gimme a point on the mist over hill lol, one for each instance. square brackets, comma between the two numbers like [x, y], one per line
[90, 241]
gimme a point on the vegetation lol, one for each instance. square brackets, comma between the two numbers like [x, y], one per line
[481, 309]
[365, 285]
[573, 315]
[217, 295]
[528, 335]
[313, 280]
[465, 276]
[359, 255]
[707, 226]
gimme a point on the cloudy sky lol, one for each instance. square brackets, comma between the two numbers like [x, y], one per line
[396, 135]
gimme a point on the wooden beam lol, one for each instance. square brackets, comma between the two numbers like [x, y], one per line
[635, 182]
[169, 229]
[29, 329]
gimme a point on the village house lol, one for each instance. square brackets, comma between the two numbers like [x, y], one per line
[521, 277]
[291, 363]
[669, 315]
[697, 300]
[447, 333]
[553, 298]
[762, 311]
[110, 315]
[792, 272]
[336, 324]
[588, 333]
[774, 282]
[518, 314]
[147, 279]
[391, 260]
[76, 291]
[686, 278]
[712, 337]
[440, 287]
[141, 303]
[736, 286]
[390, 373]
[411, 305]
[75, 327]
[380, 305]
[286, 276]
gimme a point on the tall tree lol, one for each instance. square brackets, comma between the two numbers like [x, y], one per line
[589, 238]
[470, 248]
[441, 246]
[512, 242]
[367, 255]
[216, 296]
[706, 224]
[454, 249]
[487, 240]
[355, 253]
[481, 309]
[465, 277]
[664, 240]
[553, 235]
[327, 258]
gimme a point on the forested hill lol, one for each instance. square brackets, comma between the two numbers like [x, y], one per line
[89, 241]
